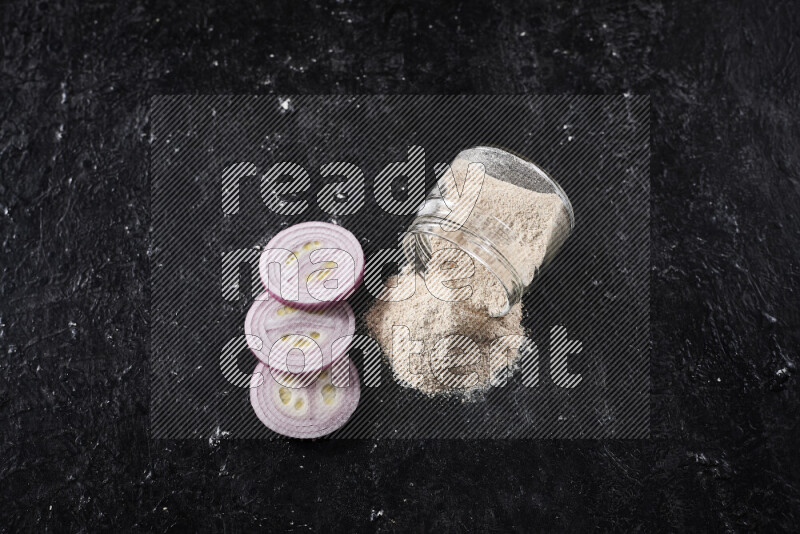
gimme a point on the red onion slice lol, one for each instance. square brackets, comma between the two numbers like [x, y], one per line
[323, 261]
[309, 412]
[273, 330]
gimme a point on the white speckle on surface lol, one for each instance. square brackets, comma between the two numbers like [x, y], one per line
[374, 515]
[782, 372]
[217, 436]
[523, 34]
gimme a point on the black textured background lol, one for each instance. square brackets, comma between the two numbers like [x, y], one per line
[597, 287]
[74, 217]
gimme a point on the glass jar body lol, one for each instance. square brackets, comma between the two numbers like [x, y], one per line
[499, 233]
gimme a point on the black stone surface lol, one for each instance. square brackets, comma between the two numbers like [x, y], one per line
[74, 217]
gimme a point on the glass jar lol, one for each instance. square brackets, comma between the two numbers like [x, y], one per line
[509, 249]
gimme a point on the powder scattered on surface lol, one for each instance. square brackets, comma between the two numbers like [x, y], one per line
[429, 320]
[458, 366]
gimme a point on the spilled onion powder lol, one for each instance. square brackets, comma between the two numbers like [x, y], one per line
[459, 365]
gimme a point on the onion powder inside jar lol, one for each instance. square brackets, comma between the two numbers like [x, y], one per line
[519, 221]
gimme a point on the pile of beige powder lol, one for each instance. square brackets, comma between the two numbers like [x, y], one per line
[458, 366]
